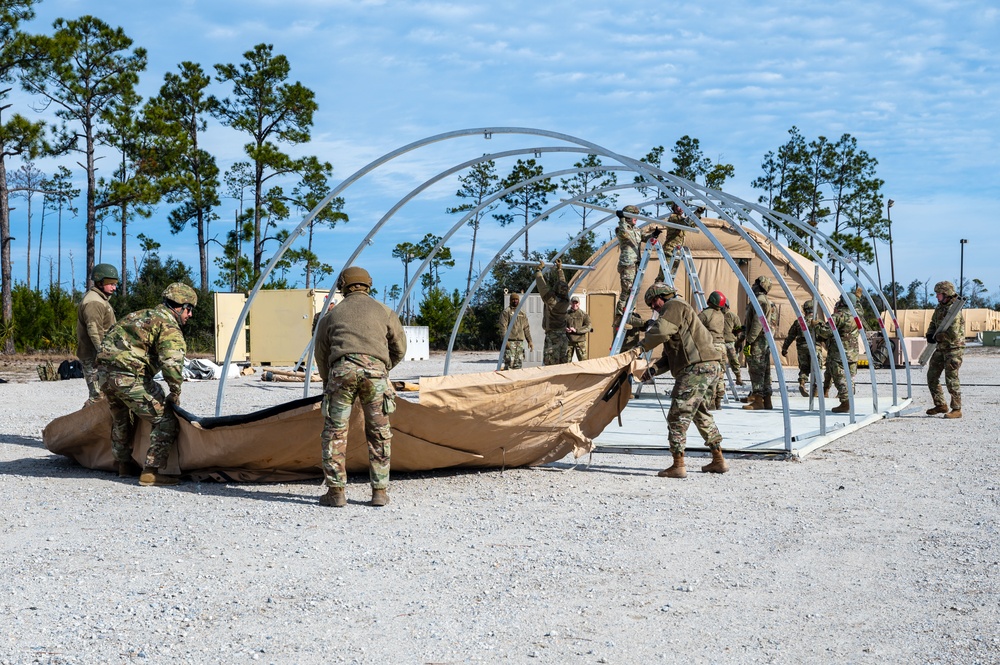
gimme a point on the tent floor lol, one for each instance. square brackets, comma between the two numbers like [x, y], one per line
[644, 424]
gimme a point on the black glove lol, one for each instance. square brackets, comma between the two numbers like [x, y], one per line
[621, 215]
[930, 338]
[657, 232]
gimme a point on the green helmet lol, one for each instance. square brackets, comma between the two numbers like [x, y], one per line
[842, 303]
[945, 288]
[808, 307]
[631, 210]
[103, 271]
[659, 289]
[178, 294]
[717, 300]
[763, 283]
[354, 275]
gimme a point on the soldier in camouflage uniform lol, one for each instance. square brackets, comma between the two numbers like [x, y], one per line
[730, 334]
[94, 319]
[134, 350]
[630, 242]
[849, 333]
[797, 337]
[756, 349]
[556, 301]
[694, 362]
[947, 356]
[714, 320]
[674, 238]
[520, 332]
[578, 325]
[357, 343]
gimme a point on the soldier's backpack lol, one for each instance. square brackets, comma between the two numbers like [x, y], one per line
[70, 369]
[47, 372]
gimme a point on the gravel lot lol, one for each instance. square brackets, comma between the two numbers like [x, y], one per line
[881, 548]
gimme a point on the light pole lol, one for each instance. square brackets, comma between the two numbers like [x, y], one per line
[961, 266]
[892, 264]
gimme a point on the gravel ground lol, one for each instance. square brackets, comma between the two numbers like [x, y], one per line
[881, 548]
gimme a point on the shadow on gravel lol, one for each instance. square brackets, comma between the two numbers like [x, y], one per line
[50, 466]
[30, 441]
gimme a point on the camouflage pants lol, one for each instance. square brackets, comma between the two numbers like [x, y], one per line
[805, 367]
[513, 355]
[759, 367]
[364, 378]
[626, 275]
[733, 357]
[579, 348]
[693, 390]
[556, 347]
[720, 388]
[948, 362]
[93, 382]
[835, 374]
[127, 395]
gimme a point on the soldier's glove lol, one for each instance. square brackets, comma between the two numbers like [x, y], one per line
[648, 374]
[174, 399]
[620, 214]
[746, 350]
[699, 211]
[558, 264]
[541, 266]
[938, 338]
[930, 338]
[657, 232]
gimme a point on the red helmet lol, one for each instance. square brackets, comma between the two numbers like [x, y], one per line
[716, 299]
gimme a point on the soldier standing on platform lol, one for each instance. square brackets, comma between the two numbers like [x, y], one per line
[713, 318]
[730, 335]
[756, 349]
[630, 242]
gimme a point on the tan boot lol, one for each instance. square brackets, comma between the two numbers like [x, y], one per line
[676, 470]
[380, 497]
[844, 407]
[754, 403]
[151, 477]
[767, 402]
[128, 469]
[802, 389]
[954, 413]
[739, 379]
[335, 497]
[718, 463]
[936, 409]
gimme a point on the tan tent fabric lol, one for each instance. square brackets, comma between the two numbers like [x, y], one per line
[515, 418]
[914, 322]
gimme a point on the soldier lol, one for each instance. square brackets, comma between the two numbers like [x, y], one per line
[674, 238]
[849, 333]
[94, 319]
[730, 333]
[947, 356]
[556, 301]
[520, 332]
[757, 351]
[690, 355]
[797, 337]
[714, 320]
[577, 327]
[630, 241]
[140, 345]
[357, 343]
[633, 332]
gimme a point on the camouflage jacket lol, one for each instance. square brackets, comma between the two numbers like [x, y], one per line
[94, 318]
[849, 333]
[630, 240]
[675, 236]
[521, 331]
[685, 339]
[144, 343]
[795, 337]
[752, 327]
[556, 301]
[952, 338]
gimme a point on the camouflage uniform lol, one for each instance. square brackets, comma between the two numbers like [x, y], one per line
[846, 326]
[133, 351]
[556, 301]
[947, 356]
[694, 362]
[797, 337]
[577, 341]
[94, 318]
[357, 343]
[759, 360]
[633, 335]
[730, 332]
[630, 241]
[674, 238]
[513, 354]
[714, 321]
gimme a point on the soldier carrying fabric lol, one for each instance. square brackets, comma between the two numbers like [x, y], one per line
[134, 350]
[849, 333]
[714, 320]
[520, 332]
[578, 326]
[630, 242]
[357, 343]
[94, 319]
[694, 362]
[556, 301]
[756, 349]
[947, 357]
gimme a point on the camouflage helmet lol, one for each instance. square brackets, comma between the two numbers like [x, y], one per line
[945, 288]
[808, 307]
[842, 303]
[631, 210]
[659, 289]
[354, 275]
[763, 283]
[717, 300]
[103, 271]
[178, 294]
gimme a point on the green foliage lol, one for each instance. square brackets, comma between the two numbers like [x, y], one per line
[479, 184]
[528, 199]
[480, 323]
[43, 323]
[438, 312]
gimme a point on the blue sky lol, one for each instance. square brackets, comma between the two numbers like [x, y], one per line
[916, 83]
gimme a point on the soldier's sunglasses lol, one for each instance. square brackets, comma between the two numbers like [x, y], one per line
[188, 307]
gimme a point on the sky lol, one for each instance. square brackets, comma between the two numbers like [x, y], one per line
[915, 83]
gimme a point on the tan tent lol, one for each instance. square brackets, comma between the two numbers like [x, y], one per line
[914, 322]
[516, 418]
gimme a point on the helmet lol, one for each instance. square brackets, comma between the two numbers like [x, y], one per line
[945, 288]
[717, 299]
[179, 293]
[842, 303]
[630, 210]
[354, 275]
[763, 283]
[103, 271]
[659, 289]
[808, 307]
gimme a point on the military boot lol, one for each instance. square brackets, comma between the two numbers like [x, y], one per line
[151, 476]
[767, 402]
[718, 463]
[755, 403]
[739, 379]
[936, 409]
[380, 497]
[844, 407]
[954, 413]
[802, 388]
[676, 470]
[128, 469]
[335, 497]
